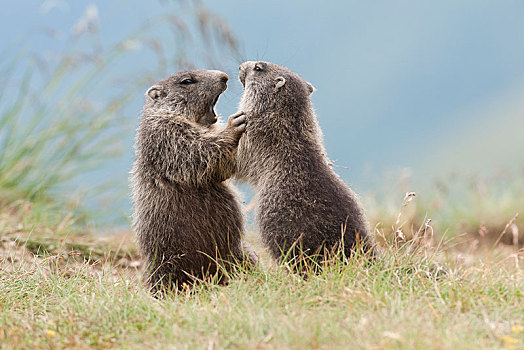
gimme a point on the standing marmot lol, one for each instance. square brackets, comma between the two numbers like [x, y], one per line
[301, 202]
[185, 216]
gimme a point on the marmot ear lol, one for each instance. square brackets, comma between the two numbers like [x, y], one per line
[155, 92]
[310, 88]
[279, 82]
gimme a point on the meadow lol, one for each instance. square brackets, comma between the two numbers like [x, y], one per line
[62, 287]
[449, 273]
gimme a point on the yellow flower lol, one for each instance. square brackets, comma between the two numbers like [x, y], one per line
[50, 333]
[517, 328]
[508, 342]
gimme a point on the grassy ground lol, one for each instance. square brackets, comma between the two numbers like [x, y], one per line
[82, 291]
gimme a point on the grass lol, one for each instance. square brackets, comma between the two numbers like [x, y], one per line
[51, 134]
[74, 290]
[477, 209]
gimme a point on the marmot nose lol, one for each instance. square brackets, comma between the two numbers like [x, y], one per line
[224, 78]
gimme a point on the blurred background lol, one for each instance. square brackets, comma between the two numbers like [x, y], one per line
[411, 96]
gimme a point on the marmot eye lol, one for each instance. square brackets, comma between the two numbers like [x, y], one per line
[258, 68]
[187, 81]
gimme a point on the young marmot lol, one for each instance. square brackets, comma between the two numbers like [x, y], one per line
[303, 207]
[186, 218]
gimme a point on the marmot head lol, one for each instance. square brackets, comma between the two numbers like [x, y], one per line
[191, 94]
[268, 86]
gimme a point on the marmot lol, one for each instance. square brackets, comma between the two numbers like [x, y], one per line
[301, 202]
[186, 218]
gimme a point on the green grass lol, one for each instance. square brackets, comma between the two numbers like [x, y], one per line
[414, 297]
[52, 134]
[62, 287]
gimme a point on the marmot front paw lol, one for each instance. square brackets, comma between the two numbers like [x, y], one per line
[237, 123]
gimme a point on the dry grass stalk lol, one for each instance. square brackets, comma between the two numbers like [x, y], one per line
[508, 225]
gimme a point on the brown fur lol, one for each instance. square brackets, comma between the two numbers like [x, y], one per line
[187, 218]
[301, 202]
